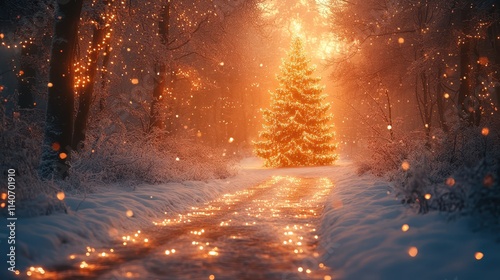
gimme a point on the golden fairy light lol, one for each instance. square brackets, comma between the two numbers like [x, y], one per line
[413, 251]
[405, 165]
[450, 181]
[478, 256]
[61, 195]
[405, 227]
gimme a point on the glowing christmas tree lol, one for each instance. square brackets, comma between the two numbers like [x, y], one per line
[297, 129]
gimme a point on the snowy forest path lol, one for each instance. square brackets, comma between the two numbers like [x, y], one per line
[264, 232]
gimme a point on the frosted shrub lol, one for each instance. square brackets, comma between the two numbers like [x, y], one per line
[457, 174]
[115, 157]
[20, 139]
[383, 157]
[146, 158]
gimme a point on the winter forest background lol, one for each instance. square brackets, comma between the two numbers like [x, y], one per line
[161, 91]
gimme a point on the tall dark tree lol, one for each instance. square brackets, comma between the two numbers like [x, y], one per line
[26, 77]
[61, 94]
[100, 39]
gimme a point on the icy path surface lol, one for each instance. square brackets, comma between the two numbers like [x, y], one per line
[289, 223]
[265, 232]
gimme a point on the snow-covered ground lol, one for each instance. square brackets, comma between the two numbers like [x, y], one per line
[365, 232]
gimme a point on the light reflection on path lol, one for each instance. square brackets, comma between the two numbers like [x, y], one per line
[264, 232]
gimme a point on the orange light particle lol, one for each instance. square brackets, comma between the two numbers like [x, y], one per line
[485, 131]
[450, 181]
[135, 81]
[413, 252]
[405, 165]
[401, 40]
[61, 195]
[50, 85]
[488, 180]
[478, 256]
[63, 155]
[4, 196]
[129, 213]
[56, 146]
[483, 60]
[405, 227]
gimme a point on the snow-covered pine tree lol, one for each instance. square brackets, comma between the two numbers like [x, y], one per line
[297, 129]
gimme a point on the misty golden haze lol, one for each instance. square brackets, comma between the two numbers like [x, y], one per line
[249, 139]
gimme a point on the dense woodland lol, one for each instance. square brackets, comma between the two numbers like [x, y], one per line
[99, 91]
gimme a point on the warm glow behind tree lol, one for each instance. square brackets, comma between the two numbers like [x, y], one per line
[297, 129]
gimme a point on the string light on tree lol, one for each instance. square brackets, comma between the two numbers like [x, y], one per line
[297, 129]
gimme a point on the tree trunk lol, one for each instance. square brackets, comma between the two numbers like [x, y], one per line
[60, 108]
[156, 116]
[426, 108]
[85, 96]
[26, 78]
[469, 111]
[440, 102]
[494, 33]
[104, 82]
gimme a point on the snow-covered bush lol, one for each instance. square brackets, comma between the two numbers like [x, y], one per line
[458, 173]
[20, 138]
[118, 157]
[148, 158]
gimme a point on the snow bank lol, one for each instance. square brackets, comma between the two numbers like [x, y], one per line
[101, 218]
[363, 236]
